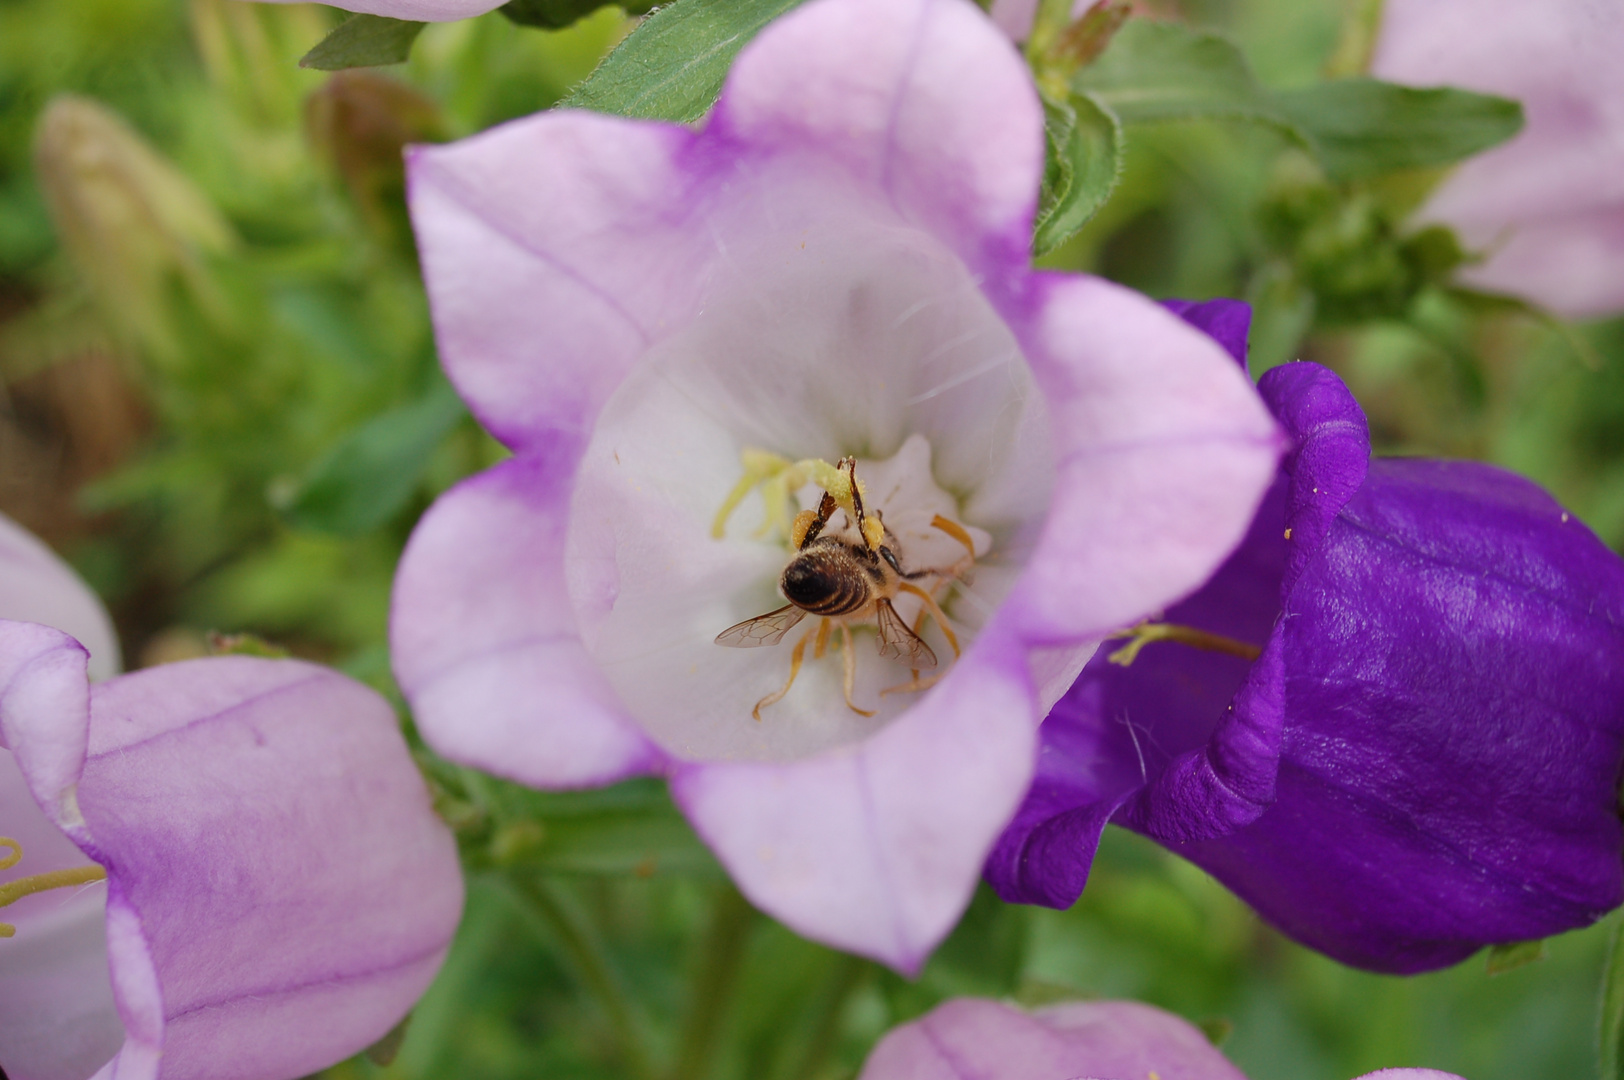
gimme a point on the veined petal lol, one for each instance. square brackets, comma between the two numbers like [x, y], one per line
[1093, 1040]
[926, 106]
[417, 10]
[1106, 1039]
[57, 1017]
[1162, 451]
[486, 645]
[565, 235]
[279, 889]
[874, 848]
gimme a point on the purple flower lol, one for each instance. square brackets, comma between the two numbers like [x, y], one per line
[1548, 206]
[1424, 756]
[278, 890]
[415, 10]
[1095, 1040]
[836, 264]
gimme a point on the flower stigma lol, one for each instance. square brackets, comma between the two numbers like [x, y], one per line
[1142, 634]
[846, 572]
[12, 891]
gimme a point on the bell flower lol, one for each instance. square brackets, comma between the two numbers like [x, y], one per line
[656, 318]
[229, 864]
[415, 10]
[1547, 208]
[1092, 1040]
[1393, 722]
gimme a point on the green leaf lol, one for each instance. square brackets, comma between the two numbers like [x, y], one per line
[1364, 127]
[672, 66]
[1612, 1010]
[1512, 955]
[363, 41]
[558, 14]
[371, 473]
[1162, 71]
[1085, 160]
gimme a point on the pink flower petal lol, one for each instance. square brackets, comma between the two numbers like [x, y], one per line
[415, 10]
[37, 586]
[876, 848]
[1163, 449]
[1548, 206]
[925, 106]
[486, 646]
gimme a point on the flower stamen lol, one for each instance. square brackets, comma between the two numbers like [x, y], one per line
[794, 669]
[1146, 632]
[12, 891]
[850, 659]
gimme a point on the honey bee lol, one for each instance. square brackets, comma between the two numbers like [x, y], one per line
[847, 577]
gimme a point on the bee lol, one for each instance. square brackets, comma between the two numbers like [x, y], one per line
[845, 577]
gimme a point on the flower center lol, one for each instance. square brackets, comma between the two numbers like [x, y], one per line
[841, 340]
[849, 573]
[12, 891]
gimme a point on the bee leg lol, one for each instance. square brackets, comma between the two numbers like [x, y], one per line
[935, 613]
[822, 645]
[794, 670]
[850, 659]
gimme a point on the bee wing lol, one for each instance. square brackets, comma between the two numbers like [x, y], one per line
[897, 642]
[768, 629]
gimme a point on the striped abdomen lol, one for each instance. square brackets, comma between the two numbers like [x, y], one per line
[829, 580]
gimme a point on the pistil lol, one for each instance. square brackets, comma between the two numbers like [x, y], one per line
[1146, 632]
[12, 891]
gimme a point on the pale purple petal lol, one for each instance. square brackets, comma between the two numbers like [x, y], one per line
[959, 156]
[414, 10]
[973, 1039]
[1162, 448]
[36, 586]
[45, 714]
[1548, 206]
[279, 888]
[875, 848]
[485, 643]
[587, 275]
[57, 1018]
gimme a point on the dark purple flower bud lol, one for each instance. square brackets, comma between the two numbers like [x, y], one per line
[1423, 758]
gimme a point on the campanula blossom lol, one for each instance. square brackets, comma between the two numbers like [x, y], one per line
[1085, 1040]
[1547, 208]
[244, 845]
[655, 318]
[1417, 729]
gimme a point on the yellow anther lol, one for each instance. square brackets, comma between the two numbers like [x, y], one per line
[12, 891]
[1147, 632]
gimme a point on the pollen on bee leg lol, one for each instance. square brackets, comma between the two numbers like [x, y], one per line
[797, 532]
[794, 669]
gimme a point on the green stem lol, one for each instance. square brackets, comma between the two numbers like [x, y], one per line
[806, 1056]
[592, 964]
[1051, 18]
[720, 958]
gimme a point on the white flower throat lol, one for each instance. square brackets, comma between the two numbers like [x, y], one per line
[849, 571]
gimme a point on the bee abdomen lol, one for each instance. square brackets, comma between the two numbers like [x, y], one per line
[824, 586]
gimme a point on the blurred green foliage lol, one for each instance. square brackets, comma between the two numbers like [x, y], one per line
[223, 404]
